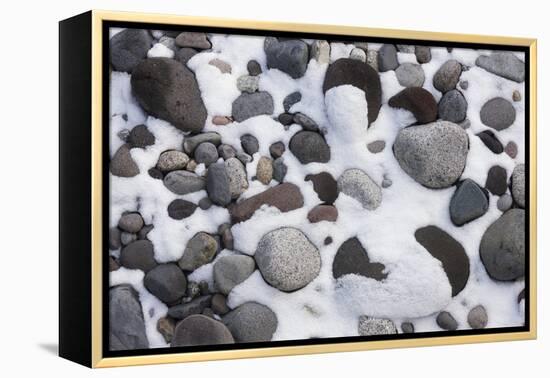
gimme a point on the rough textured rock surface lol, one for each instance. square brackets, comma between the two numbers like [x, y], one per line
[518, 185]
[200, 250]
[359, 186]
[251, 322]
[126, 324]
[372, 326]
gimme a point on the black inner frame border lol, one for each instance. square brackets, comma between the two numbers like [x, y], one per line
[106, 25]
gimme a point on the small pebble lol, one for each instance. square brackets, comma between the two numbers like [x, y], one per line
[221, 120]
[155, 173]
[223, 66]
[127, 237]
[511, 149]
[358, 54]
[386, 182]
[376, 146]
[277, 150]
[464, 84]
[407, 327]
[254, 68]
[205, 203]
[248, 83]
[328, 240]
[250, 144]
[446, 321]
[504, 202]
[131, 222]
[264, 170]
[516, 96]
[286, 119]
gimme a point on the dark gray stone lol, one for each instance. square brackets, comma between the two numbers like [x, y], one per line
[306, 122]
[166, 282]
[184, 182]
[180, 209]
[279, 169]
[200, 250]
[490, 141]
[502, 247]
[423, 54]
[196, 306]
[253, 68]
[453, 106]
[469, 202]
[122, 164]
[387, 58]
[194, 40]
[250, 144]
[184, 54]
[352, 258]
[477, 317]
[446, 321]
[277, 150]
[447, 76]
[126, 324]
[138, 255]
[291, 99]
[498, 113]
[219, 304]
[309, 147]
[201, 330]
[249, 105]
[231, 270]
[226, 151]
[191, 142]
[287, 259]
[140, 137]
[407, 327]
[218, 184]
[505, 202]
[130, 222]
[251, 322]
[128, 48]
[290, 56]
[168, 90]
[497, 180]
[205, 203]
[206, 153]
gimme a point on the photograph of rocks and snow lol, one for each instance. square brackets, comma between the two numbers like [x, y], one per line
[266, 189]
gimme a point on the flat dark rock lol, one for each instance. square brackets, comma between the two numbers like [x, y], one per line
[450, 252]
[128, 48]
[497, 180]
[166, 282]
[285, 197]
[418, 101]
[138, 255]
[352, 258]
[468, 203]
[180, 209]
[491, 141]
[309, 147]
[325, 186]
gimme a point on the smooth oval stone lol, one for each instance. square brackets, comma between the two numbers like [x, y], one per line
[490, 141]
[290, 56]
[184, 182]
[122, 164]
[172, 160]
[423, 54]
[200, 250]
[496, 180]
[128, 48]
[229, 271]
[453, 106]
[218, 184]
[201, 330]
[250, 144]
[502, 247]
[468, 203]
[249, 105]
[138, 255]
[309, 147]
[477, 317]
[410, 75]
[251, 322]
[191, 142]
[450, 252]
[387, 58]
[498, 113]
[447, 76]
[168, 90]
[504, 64]
[166, 282]
[206, 153]
[179, 209]
[141, 137]
[287, 259]
[446, 321]
[131, 222]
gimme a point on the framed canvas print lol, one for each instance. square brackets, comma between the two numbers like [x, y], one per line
[261, 189]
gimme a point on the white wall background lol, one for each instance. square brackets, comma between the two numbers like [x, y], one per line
[29, 188]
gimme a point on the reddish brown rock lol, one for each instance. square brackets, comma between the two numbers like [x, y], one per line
[285, 197]
[418, 101]
[323, 213]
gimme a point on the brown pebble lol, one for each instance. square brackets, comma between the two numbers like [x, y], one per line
[516, 96]
[166, 327]
[191, 166]
[323, 213]
[511, 149]
[113, 265]
[264, 171]
[223, 66]
[221, 120]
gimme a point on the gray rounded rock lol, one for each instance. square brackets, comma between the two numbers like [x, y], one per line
[249, 105]
[502, 247]
[446, 321]
[287, 259]
[184, 182]
[453, 106]
[191, 142]
[229, 271]
[206, 153]
[504, 64]
[251, 322]
[498, 113]
[200, 250]
[505, 202]
[201, 330]
[122, 164]
[279, 169]
[179, 209]
[376, 146]
[141, 137]
[218, 184]
[434, 154]
[477, 317]
[126, 324]
[407, 327]
[410, 75]
[290, 56]
[359, 186]
[194, 40]
[138, 255]
[468, 203]
[387, 58]
[518, 185]
[309, 147]
[372, 326]
[447, 76]
[172, 160]
[130, 222]
[250, 144]
[128, 48]
[166, 282]
[423, 54]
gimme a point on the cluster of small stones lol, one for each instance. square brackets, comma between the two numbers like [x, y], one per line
[433, 151]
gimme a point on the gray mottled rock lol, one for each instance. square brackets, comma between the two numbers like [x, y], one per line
[248, 83]
[140, 137]
[250, 144]
[320, 51]
[504, 64]
[184, 182]
[453, 106]
[229, 271]
[516, 96]
[447, 76]
[498, 113]
[238, 181]
[201, 330]
[469, 202]
[502, 247]
[287, 259]
[226, 151]
[290, 56]
[251, 322]
[279, 169]
[449, 251]
[180, 209]
[372, 326]
[191, 142]
[130, 222]
[264, 170]
[359, 186]
[387, 58]
[358, 54]
[423, 54]
[172, 160]
[127, 238]
[249, 105]
[309, 147]
[218, 184]
[518, 185]
[206, 153]
[128, 48]
[434, 154]
[168, 90]
[505, 202]
[477, 317]
[122, 164]
[138, 255]
[166, 282]
[446, 321]
[196, 306]
[410, 75]
[200, 250]
[352, 258]
[126, 324]
[194, 40]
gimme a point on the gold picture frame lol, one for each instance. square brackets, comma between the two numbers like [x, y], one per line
[97, 359]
